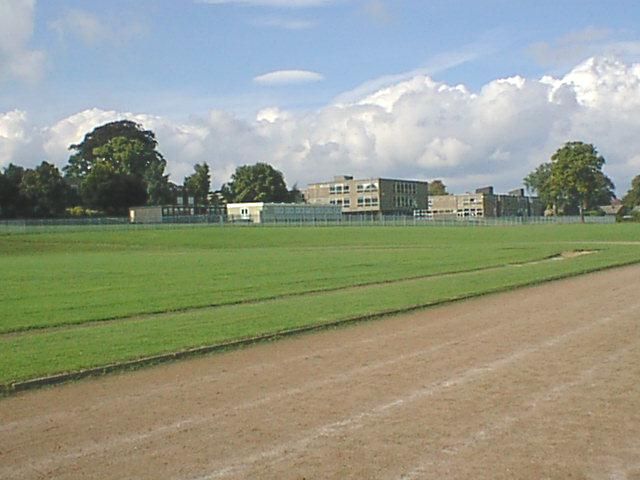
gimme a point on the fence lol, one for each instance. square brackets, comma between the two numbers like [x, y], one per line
[116, 223]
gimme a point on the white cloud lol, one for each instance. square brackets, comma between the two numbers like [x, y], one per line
[287, 77]
[416, 128]
[578, 45]
[17, 60]
[93, 30]
[438, 63]
[287, 23]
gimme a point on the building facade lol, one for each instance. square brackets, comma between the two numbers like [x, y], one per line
[483, 203]
[375, 196]
[260, 212]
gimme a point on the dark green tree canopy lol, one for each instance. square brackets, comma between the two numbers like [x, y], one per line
[256, 183]
[84, 156]
[199, 183]
[12, 203]
[437, 187]
[632, 197]
[538, 183]
[130, 151]
[112, 191]
[45, 190]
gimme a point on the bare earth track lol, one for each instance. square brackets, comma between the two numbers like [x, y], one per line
[541, 382]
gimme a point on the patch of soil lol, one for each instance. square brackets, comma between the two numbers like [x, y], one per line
[540, 382]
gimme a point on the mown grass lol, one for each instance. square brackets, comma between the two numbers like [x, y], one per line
[62, 280]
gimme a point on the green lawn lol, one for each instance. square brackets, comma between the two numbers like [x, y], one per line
[169, 289]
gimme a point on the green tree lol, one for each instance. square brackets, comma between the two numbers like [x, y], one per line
[12, 202]
[256, 183]
[130, 150]
[295, 195]
[45, 190]
[632, 197]
[576, 175]
[538, 183]
[112, 191]
[437, 187]
[83, 157]
[198, 184]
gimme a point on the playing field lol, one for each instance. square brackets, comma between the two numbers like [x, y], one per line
[82, 299]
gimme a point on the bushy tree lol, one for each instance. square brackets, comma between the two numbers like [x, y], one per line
[45, 191]
[295, 195]
[112, 191]
[84, 155]
[12, 203]
[573, 180]
[576, 174]
[130, 150]
[437, 187]
[256, 183]
[538, 183]
[632, 197]
[198, 184]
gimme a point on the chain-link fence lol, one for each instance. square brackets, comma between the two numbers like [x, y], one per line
[117, 223]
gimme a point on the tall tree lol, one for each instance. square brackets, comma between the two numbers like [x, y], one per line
[45, 190]
[256, 183]
[437, 187]
[538, 182]
[296, 195]
[632, 197]
[12, 202]
[83, 155]
[576, 173]
[198, 184]
[130, 150]
[107, 189]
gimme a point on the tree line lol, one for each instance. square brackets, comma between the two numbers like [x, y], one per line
[118, 165]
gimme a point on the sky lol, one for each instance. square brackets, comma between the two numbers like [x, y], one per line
[474, 93]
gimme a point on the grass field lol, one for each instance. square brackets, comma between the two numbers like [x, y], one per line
[81, 299]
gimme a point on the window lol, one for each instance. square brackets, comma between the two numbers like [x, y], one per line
[345, 189]
[244, 212]
[346, 202]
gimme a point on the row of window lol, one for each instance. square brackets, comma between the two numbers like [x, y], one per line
[405, 187]
[362, 202]
[367, 187]
[406, 202]
[339, 189]
[345, 202]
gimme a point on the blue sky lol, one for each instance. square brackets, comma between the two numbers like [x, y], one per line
[180, 64]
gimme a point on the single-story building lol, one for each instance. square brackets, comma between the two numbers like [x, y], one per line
[261, 212]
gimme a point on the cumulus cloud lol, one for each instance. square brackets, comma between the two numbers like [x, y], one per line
[288, 77]
[17, 60]
[580, 44]
[415, 128]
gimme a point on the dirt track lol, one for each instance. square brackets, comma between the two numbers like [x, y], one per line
[542, 382]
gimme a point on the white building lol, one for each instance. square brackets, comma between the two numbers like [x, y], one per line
[260, 212]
